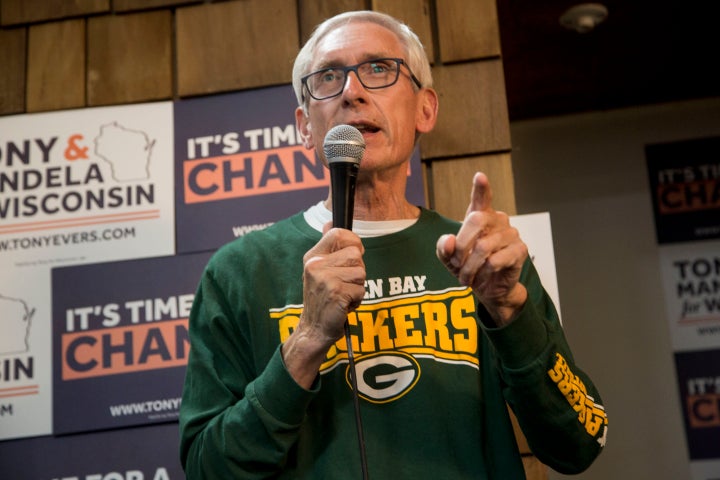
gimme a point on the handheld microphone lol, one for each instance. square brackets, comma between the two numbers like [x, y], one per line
[343, 147]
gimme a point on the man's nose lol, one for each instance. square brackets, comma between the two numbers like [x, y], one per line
[353, 86]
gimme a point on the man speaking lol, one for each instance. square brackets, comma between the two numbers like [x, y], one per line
[389, 351]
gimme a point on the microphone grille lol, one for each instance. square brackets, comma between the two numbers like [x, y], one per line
[343, 142]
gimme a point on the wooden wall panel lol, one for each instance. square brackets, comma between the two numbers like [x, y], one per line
[534, 469]
[13, 43]
[312, 13]
[129, 58]
[416, 14]
[473, 114]
[467, 30]
[56, 65]
[13, 12]
[129, 5]
[452, 183]
[235, 45]
[522, 442]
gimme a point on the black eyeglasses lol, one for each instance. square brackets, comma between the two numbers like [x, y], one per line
[378, 73]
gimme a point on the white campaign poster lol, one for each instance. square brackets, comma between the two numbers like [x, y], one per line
[76, 187]
[691, 280]
[536, 231]
[705, 469]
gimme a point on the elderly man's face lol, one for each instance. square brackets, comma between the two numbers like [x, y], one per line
[387, 117]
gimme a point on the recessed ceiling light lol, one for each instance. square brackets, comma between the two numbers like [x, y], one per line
[585, 17]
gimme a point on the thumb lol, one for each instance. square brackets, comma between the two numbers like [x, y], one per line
[445, 247]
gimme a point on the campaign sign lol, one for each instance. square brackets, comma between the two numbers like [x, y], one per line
[685, 188]
[241, 165]
[120, 341]
[76, 187]
[691, 280]
[25, 345]
[699, 381]
[536, 231]
[86, 185]
[705, 469]
[142, 453]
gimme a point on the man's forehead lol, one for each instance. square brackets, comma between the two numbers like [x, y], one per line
[355, 42]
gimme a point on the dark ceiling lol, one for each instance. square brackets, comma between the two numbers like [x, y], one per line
[646, 51]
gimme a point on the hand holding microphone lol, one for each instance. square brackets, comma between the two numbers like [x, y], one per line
[333, 269]
[334, 272]
[344, 147]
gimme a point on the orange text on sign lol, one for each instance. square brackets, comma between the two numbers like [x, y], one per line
[252, 173]
[125, 349]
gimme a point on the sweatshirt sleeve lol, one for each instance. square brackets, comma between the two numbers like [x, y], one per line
[557, 405]
[237, 420]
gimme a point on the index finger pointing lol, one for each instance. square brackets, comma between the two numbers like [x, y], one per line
[481, 195]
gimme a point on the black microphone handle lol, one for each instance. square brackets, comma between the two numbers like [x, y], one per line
[343, 175]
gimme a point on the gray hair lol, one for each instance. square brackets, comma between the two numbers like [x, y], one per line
[416, 59]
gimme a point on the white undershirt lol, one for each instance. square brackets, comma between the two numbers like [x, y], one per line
[318, 215]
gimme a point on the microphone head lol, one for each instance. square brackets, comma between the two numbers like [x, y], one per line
[344, 143]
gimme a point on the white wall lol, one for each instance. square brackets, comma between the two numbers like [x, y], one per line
[589, 171]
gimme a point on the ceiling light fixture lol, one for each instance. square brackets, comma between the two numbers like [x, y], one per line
[585, 17]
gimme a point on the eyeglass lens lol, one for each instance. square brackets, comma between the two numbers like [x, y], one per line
[372, 74]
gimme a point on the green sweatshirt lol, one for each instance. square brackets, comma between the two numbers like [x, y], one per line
[434, 378]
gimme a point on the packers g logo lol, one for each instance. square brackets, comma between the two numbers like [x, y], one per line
[385, 376]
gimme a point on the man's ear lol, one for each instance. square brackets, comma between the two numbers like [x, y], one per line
[302, 122]
[427, 110]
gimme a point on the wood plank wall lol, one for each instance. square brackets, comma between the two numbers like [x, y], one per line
[63, 54]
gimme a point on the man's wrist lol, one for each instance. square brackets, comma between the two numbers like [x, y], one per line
[303, 356]
[504, 310]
